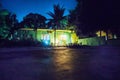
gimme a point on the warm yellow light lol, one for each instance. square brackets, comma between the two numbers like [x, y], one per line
[102, 33]
[55, 37]
[63, 37]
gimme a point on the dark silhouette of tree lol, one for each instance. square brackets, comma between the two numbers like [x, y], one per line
[12, 24]
[74, 19]
[92, 15]
[34, 21]
[8, 24]
[100, 15]
[57, 17]
[73, 22]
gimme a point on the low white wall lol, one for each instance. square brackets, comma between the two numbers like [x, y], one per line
[93, 41]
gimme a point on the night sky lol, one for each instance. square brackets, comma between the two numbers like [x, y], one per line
[23, 7]
[96, 12]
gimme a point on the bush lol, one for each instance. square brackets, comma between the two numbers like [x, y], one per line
[19, 43]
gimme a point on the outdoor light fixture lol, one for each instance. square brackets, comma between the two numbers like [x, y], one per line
[46, 42]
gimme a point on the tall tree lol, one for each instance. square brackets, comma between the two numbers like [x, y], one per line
[74, 18]
[57, 16]
[98, 15]
[12, 24]
[8, 24]
[34, 21]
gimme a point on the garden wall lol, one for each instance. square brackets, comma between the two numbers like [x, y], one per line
[92, 41]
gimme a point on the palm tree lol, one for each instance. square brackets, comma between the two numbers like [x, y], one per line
[57, 17]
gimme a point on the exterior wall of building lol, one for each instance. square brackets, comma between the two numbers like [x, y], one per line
[45, 35]
[49, 36]
[93, 41]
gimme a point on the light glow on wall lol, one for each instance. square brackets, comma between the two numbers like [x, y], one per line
[47, 36]
[63, 37]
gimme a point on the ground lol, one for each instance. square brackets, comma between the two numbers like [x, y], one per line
[98, 63]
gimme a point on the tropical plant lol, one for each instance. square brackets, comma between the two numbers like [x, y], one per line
[8, 24]
[12, 24]
[57, 17]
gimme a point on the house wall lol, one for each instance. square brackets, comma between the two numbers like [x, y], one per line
[74, 38]
[63, 37]
[45, 35]
[94, 41]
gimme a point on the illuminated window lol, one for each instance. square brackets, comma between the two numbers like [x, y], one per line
[63, 37]
[45, 37]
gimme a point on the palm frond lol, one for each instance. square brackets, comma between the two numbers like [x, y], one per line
[57, 15]
[51, 14]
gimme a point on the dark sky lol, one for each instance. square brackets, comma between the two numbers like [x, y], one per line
[101, 12]
[23, 7]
